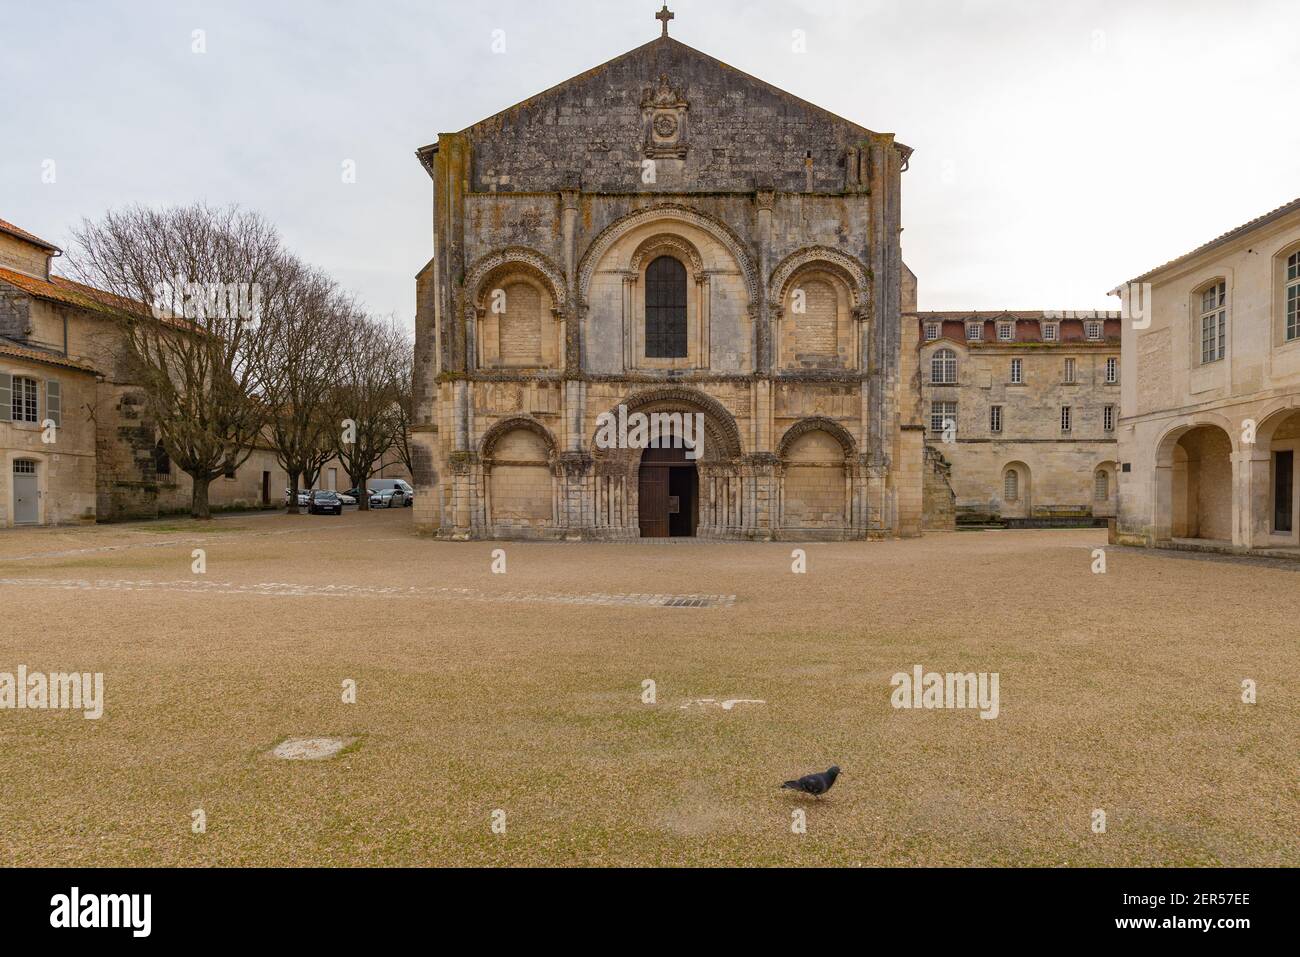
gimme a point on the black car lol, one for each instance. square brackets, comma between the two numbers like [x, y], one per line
[324, 501]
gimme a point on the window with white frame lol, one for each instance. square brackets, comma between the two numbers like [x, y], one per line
[974, 331]
[1293, 296]
[1214, 322]
[941, 414]
[1101, 486]
[1069, 371]
[1006, 331]
[995, 418]
[931, 331]
[1092, 330]
[1112, 369]
[1108, 418]
[1017, 371]
[1067, 416]
[1051, 332]
[24, 407]
[943, 367]
[1011, 485]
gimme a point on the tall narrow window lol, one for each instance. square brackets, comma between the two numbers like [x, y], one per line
[943, 367]
[1108, 418]
[1011, 485]
[1066, 418]
[995, 418]
[1293, 296]
[1214, 322]
[665, 309]
[1069, 371]
[162, 462]
[1017, 371]
[24, 399]
[1101, 486]
[1112, 369]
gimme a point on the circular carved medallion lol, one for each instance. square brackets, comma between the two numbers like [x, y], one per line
[665, 126]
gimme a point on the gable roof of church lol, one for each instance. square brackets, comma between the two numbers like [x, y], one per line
[659, 48]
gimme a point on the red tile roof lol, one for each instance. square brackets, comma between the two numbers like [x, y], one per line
[8, 347]
[13, 230]
[68, 292]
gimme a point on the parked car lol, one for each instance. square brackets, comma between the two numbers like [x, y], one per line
[304, 497]
[387, 498]
[324, 502]
[347, 498]
[402, 493]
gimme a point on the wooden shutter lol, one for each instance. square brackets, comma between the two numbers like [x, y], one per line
[6, 397]
[54, 402]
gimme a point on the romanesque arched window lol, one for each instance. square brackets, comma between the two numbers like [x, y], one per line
[943, 367]
[1011, 485]
[665, 309]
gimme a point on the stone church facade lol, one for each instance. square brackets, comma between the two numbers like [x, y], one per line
[665, 234]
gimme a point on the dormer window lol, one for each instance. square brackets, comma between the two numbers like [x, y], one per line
[974, 331]
[1051, 332]
[1092, 330]
[1006, 331]
[931, 331]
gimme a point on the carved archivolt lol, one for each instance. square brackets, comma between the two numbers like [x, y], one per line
[849, 269]
[818, 423]
[668, 243]
[493, 435]
[717, 419]
[671, 212]
[503, 261]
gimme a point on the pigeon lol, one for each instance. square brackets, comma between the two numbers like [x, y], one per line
[814, 784]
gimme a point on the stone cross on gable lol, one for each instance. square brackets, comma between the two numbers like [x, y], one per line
[665, 15]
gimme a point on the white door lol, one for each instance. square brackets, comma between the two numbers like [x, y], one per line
[27, 509]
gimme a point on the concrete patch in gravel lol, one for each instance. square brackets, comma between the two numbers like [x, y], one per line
[309, 749]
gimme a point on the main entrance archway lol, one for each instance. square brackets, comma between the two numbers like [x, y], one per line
[668, 488]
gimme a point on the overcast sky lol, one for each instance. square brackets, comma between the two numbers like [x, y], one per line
[1061, 148]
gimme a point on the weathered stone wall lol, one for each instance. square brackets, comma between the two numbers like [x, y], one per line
[1056, 469]
[65, 467]
[758, 195]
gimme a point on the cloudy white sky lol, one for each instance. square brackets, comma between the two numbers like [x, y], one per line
[1060, 147]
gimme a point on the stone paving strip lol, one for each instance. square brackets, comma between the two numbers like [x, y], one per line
[295, 590]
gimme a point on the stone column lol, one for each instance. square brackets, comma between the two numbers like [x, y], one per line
[1251, 497]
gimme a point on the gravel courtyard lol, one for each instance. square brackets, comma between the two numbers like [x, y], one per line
[522, 693]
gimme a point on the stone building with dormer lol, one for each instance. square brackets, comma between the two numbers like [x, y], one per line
[1021, 408]
[665, 233]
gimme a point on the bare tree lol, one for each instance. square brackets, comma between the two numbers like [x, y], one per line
[366, 397]
[212, 278]
[405, 402]
[300, 357]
